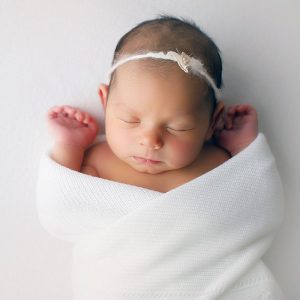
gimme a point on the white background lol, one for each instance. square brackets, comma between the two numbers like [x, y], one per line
[57, 52]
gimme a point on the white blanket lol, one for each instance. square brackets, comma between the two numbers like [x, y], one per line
[202, 240]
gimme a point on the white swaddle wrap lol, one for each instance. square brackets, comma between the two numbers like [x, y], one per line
[202, 240]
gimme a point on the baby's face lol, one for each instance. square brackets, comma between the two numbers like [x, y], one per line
[156, 122]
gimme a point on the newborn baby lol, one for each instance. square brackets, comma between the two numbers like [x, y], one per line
[166, 213]
[161, 113]
[133, 155]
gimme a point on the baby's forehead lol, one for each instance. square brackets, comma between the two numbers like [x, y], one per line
[144, 77]
[173, 93]
[166, 72]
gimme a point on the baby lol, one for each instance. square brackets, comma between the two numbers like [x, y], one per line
[163, 226]
[164, 122]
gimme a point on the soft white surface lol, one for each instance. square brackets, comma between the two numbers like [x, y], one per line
[202, 240]
[54, 52]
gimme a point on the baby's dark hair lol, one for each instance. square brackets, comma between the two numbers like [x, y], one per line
[169, 33]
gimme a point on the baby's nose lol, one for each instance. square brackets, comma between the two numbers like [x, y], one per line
[152, 139]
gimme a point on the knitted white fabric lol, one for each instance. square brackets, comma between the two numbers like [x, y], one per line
[200, 241]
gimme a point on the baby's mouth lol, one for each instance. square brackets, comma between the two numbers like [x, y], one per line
[143, 160]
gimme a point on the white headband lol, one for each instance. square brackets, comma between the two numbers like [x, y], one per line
[186, 63]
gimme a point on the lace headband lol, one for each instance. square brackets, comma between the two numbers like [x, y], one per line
[186, 63]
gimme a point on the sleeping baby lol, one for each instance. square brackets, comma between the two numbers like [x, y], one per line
[161, 111]
[177, 202]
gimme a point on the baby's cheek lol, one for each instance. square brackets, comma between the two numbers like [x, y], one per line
[118, 141]
[184, 152]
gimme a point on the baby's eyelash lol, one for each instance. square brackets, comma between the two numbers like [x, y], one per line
[180, 129]
[168, 128]
[130, 122]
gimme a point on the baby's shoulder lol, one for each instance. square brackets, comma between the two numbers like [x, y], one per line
[213, 156]
[92, 157]
[94, 152]
[218, 152]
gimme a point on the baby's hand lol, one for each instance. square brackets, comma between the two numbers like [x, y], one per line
[237, 129]
[71, 126]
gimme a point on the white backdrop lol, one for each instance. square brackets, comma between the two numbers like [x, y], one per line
[57, 52]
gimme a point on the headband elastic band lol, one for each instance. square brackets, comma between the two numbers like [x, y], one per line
[186, 63]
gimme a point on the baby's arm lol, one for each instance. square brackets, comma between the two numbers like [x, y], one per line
[73, 131]
[237, 128]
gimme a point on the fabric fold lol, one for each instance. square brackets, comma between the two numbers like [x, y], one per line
[202, 240]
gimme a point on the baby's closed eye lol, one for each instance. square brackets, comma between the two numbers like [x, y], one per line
[130, 121]
[180, 129]
[177, 129]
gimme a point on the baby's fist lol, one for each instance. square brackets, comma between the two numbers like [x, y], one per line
[237, 128]
[72, 126]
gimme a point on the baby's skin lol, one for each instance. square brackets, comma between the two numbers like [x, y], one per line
[237, 128]
[74, 130]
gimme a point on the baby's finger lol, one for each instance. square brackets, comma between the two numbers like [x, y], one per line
[232, 109]
[51, 114]
[92, 124]
[70, 111]
[228, 123]
[229, 116]
[239, 110]
[246, 109]
[54, 110]
[242, 109]
[87, 118]
[251, 110]
[79, 116]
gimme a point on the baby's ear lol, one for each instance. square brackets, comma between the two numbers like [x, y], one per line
[103, 93]
[216, 119]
